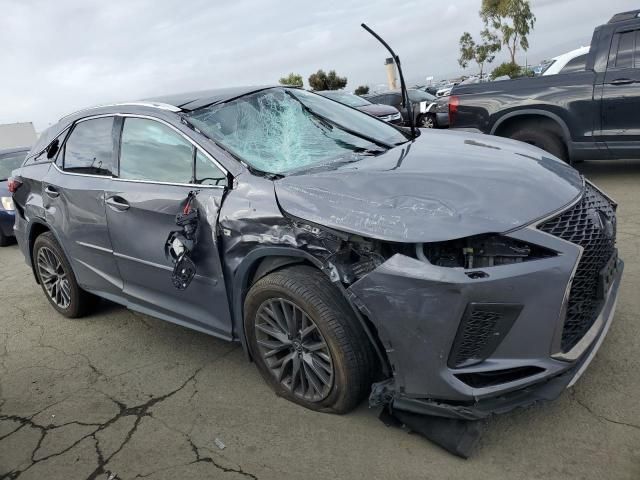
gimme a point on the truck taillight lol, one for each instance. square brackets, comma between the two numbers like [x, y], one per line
[454, 103]
[14, 184]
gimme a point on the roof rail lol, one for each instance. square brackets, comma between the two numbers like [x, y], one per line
[161, 106]
[621, 17]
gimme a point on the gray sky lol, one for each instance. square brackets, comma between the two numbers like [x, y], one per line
[57, 57]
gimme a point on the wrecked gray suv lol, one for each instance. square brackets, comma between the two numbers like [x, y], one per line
[449, 274]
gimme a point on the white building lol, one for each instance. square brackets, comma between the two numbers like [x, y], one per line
[14, 135]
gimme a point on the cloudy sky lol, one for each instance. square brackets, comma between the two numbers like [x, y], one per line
[57, 57]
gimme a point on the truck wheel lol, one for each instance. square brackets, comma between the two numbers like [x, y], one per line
[57, 279]
[547, 140]
[306, 341]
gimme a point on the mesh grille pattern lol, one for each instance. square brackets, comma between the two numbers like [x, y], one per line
[478, 329]
[591, 223]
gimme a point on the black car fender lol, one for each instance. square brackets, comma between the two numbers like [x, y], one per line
[264, 260]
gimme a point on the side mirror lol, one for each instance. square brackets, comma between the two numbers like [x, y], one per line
[52, 150]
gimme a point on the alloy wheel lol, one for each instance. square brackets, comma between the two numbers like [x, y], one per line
[427, 122]
[294, 350]
[53, 277]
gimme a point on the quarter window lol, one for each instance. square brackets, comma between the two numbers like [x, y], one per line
[208, 173]
[152, 151]
[89, 148]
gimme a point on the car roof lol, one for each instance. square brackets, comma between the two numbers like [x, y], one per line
[194, 100]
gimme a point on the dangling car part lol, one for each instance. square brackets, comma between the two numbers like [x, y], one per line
[181, 244]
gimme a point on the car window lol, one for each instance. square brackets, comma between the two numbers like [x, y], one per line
[152, 151]
[89, 148]
[626, 46]
[207, 172]
[9, 162]
[577, 64]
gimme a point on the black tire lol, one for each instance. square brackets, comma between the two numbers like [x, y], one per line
[427, 121]
[79, 301]
[352, 358]
[4, 240]
[544, 138]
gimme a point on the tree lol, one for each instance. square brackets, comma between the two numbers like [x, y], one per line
[511, 70]
[292, 79]
[480, 53]
[326, 81]
[362, 90]
[513, 19]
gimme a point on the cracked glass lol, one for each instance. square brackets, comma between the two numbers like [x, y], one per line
[282, 130]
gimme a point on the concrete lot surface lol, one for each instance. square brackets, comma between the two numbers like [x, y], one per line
[122, 395]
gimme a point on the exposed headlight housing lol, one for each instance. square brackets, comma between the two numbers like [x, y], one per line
[7, 204]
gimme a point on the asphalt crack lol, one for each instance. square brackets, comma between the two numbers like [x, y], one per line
[601, 417]
[139, 412]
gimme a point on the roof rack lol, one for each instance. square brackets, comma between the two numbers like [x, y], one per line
[161, 106]
[621, 17]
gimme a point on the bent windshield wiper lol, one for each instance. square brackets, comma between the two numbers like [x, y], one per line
[336, 124]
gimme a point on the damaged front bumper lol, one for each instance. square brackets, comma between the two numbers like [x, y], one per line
[420, 310]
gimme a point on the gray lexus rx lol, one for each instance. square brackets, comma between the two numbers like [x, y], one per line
[446, 274]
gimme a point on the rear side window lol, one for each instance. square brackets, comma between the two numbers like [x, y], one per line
[152, 151]
[89, 148]
[626, 49]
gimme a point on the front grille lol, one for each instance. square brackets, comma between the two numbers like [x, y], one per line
[591, 223]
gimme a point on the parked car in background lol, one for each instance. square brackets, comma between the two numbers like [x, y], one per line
[10, 159]
[446, 274]
[383, 112]
[591, 113]
[572, 61]
[423, 106]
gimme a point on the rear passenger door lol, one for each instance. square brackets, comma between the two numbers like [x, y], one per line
[158, 167]
[74, 204]
[621, 94]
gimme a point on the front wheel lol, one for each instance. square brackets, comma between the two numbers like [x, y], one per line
[306, 341]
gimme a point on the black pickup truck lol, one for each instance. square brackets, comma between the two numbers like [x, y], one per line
[589, 114]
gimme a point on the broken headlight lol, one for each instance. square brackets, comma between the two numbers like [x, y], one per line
[480, 252]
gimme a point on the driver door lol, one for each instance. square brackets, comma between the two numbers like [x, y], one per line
[157, 168]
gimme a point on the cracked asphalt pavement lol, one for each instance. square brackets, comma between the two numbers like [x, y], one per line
[119, 395]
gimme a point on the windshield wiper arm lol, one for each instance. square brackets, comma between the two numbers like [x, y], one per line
[336, 124]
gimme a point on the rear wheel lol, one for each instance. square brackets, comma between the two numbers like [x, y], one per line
[57, 279]
[544, 138]
[306, 341]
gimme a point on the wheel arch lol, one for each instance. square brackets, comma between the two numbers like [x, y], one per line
[261, 262]
[511, 119]
[36, 228]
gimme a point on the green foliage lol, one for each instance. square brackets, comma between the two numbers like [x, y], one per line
[512, 70]
[326, 81]
[292, 79]
[480, 53]
[513, 19]
[362, 90]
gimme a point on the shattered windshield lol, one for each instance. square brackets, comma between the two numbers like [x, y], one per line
[280, 130]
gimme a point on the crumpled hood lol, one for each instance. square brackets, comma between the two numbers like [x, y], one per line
[444, 185]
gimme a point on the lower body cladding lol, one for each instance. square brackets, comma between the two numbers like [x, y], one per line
[465, 344]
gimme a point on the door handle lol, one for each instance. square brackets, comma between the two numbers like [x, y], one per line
[622, 81]
[51, 191]
[117, 203]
